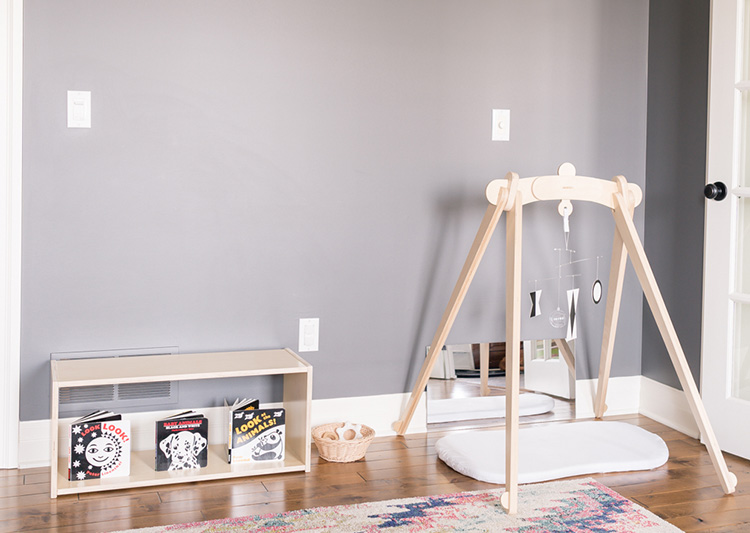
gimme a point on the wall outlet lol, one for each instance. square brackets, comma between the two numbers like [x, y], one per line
[309, 330]
[501, 124]
[79, 109]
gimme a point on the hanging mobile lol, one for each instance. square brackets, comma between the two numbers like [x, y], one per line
[536, 303]
[558, 318]
[572, 331]
[596, 288]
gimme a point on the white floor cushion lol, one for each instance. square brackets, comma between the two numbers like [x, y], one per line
[555, 451]
[477, 407]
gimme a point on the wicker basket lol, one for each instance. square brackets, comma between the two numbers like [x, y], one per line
[341, 451]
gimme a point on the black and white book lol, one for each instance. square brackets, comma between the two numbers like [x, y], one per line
[235, 411]
[244, 404]
[99, 447]
[257, 435]
[181, 442]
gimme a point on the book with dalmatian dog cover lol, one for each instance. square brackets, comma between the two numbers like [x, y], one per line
[257, 435]
[99, 447]
[182, 442]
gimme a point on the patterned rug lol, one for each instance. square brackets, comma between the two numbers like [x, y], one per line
[576, 506]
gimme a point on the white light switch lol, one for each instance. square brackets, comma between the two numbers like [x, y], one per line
[501, 124]
[309, 329]
[79, 109]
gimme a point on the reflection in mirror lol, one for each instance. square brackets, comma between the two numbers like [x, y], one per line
[467, 384]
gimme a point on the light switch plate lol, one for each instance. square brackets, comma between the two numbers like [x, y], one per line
[309, 330]
[501, 124]
[79, 109]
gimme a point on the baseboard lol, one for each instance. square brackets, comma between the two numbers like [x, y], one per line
[379, 412]
[33, 444]
[667, 406]
[623, 396]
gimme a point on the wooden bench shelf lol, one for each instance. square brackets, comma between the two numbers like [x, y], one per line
[297, 397]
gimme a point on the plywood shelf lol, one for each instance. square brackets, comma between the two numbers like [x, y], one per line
[142, 473]
[297, 397]
[177, 367]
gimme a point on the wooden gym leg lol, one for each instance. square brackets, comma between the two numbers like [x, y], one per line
[482, 239]
[567, 355]
[512, 353]
[484, 369]
[627, 230]
[611, 314]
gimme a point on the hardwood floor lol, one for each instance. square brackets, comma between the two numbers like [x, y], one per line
[685, 491]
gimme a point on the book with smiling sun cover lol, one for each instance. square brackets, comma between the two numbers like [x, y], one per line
[99, 447]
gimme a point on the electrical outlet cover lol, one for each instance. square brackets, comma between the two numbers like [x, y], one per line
[309, 329]
[501, 124]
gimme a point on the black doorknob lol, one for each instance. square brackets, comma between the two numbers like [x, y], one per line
[715, 191]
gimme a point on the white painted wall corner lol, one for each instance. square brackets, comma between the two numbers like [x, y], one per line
[623, 396]
[667, 406]
[639, 394]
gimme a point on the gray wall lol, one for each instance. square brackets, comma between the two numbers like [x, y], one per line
[252, 163]
[675, 169]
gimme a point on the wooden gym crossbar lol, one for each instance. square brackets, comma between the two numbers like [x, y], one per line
[511, 194]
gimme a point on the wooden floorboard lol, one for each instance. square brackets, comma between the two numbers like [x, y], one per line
[685, 491]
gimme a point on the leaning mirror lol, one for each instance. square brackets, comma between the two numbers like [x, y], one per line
[467, 384]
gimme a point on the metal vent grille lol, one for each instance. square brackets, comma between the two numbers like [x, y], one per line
[132, 391]
[75, 401]
[97, 393]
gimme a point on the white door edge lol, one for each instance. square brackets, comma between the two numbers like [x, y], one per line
[11, 60]
[722, 235]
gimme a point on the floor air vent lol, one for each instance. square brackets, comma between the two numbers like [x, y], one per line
[124, 397]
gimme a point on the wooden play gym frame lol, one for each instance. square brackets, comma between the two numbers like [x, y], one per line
[511, 194]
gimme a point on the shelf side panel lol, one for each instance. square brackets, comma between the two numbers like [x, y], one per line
[297, 402]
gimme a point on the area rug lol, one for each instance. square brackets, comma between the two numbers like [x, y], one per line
[574, 506]
[478, 407]
[555, 451]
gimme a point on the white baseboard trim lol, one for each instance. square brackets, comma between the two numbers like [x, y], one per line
[623, 396]
[33, 444]
[667, 406]
[379, 412]
[626, 395]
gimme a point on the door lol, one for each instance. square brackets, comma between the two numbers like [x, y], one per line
[11, 60]
[545, 370]
[725, 360]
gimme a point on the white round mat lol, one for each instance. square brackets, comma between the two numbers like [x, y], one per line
[555, 451]
[477, 407]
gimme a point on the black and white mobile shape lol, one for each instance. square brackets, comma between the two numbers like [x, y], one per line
[596, 292]
[557, 318]
[572, 332]
[536, 304]
[596, 288]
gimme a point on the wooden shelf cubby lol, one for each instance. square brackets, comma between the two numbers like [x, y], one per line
[297, 397]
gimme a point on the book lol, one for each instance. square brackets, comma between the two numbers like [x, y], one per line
[99, 447]
[245, 404]
[181, 442]
[257, 435]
